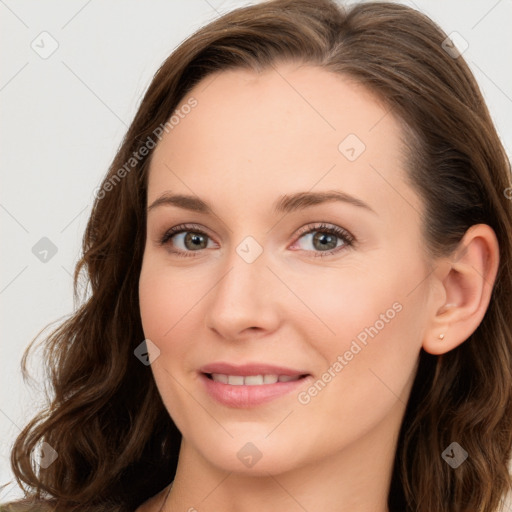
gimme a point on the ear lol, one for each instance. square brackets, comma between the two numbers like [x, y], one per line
[465, 281]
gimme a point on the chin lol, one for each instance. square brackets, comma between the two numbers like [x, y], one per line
[252, 455]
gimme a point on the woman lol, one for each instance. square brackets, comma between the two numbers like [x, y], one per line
[341, 340]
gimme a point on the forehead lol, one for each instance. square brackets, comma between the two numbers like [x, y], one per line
[286, 129]
[281, 104]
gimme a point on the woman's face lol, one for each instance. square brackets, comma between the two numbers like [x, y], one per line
[297, 255]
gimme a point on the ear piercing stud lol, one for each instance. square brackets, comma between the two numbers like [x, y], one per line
[441, 336]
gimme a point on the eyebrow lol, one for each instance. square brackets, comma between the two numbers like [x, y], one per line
[285, 204]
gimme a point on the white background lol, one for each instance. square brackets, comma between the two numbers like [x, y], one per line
[62, 119]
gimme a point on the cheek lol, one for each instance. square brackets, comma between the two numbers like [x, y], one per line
[368, 318]
[368, 299]
[154, 299]
[164, 299]
[343, 305]
[172, 307]
[164, 302]
[368, 371]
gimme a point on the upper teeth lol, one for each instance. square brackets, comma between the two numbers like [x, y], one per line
[252, 380]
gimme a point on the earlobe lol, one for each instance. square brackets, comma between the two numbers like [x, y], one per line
[467, 278]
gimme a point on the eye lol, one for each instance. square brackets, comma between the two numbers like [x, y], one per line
[321, 239]
[324, 239]
[185, 239]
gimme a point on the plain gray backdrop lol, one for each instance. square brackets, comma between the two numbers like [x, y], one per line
[72, 75]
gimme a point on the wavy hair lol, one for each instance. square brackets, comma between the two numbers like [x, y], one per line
[116, 444]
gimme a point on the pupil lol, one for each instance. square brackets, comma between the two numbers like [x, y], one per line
[195, 239]
[325, 239]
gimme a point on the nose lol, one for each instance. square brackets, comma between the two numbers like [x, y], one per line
[245, 301]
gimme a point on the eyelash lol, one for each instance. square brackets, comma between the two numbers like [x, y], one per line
[347, 239]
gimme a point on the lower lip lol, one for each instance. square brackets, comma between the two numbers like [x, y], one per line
[248, 396]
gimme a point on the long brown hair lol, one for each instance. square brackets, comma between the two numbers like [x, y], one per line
[116, 443]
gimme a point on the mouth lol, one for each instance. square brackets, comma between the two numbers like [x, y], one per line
[249, 385]
[252, 380]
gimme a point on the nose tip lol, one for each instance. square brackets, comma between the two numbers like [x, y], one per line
[243, 301]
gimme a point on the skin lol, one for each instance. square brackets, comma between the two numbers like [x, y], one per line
[252, 138]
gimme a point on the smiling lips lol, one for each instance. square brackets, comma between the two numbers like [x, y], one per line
[249, 385]
[252, 380]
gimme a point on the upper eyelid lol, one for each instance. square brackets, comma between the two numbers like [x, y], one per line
[318, 226]
[184, 228]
